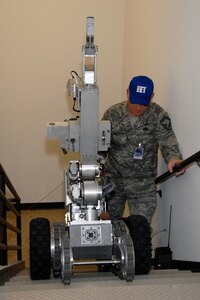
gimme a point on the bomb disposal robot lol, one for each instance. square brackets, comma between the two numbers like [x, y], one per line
[87, 237]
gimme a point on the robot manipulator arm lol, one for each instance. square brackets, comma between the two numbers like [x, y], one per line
[85, 188]
[83, 185]
[86, 191]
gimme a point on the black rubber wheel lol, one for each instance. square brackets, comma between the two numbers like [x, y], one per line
[40, 251]
[140, 232]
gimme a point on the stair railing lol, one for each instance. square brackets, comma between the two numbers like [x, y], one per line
[11, 204]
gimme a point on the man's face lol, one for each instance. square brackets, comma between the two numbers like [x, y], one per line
[136, 109]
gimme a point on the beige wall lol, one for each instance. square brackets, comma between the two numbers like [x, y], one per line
[162, 41]
[146, 43]
[41, 43]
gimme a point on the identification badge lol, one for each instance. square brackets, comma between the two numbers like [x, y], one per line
[138, 152]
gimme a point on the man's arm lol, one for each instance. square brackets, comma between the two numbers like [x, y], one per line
[168, 142]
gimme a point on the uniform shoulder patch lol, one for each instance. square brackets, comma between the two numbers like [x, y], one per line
[166, 123]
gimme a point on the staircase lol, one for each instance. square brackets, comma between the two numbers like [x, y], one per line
[9, 204]
[158, 284]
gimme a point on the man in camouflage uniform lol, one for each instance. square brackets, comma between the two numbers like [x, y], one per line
[139, 127]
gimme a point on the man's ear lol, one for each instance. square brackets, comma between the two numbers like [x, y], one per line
[128, 93]
[151, 98]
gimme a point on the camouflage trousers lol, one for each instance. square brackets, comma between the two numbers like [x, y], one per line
[141, 196]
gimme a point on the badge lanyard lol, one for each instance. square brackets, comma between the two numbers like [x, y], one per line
[138, 152]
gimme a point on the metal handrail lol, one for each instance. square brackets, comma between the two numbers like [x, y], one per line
[13, 205]
[183, 165]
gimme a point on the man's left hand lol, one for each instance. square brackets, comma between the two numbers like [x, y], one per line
[172, 163]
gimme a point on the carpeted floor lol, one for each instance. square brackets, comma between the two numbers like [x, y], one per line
[158, 284]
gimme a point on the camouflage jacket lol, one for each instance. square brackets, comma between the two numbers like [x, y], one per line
[151, 130]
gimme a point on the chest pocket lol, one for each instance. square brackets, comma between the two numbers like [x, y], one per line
[145, 131]
[144, 135]
[119, 138]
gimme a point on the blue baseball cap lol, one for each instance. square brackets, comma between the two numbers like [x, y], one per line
[141, 90]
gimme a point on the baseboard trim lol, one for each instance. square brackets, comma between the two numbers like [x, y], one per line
[182, 265]
[186, 265]
[41, 206]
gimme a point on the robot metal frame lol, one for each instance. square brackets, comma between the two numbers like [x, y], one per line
[87, 237]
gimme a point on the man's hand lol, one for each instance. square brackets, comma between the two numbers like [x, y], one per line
[172, 163]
